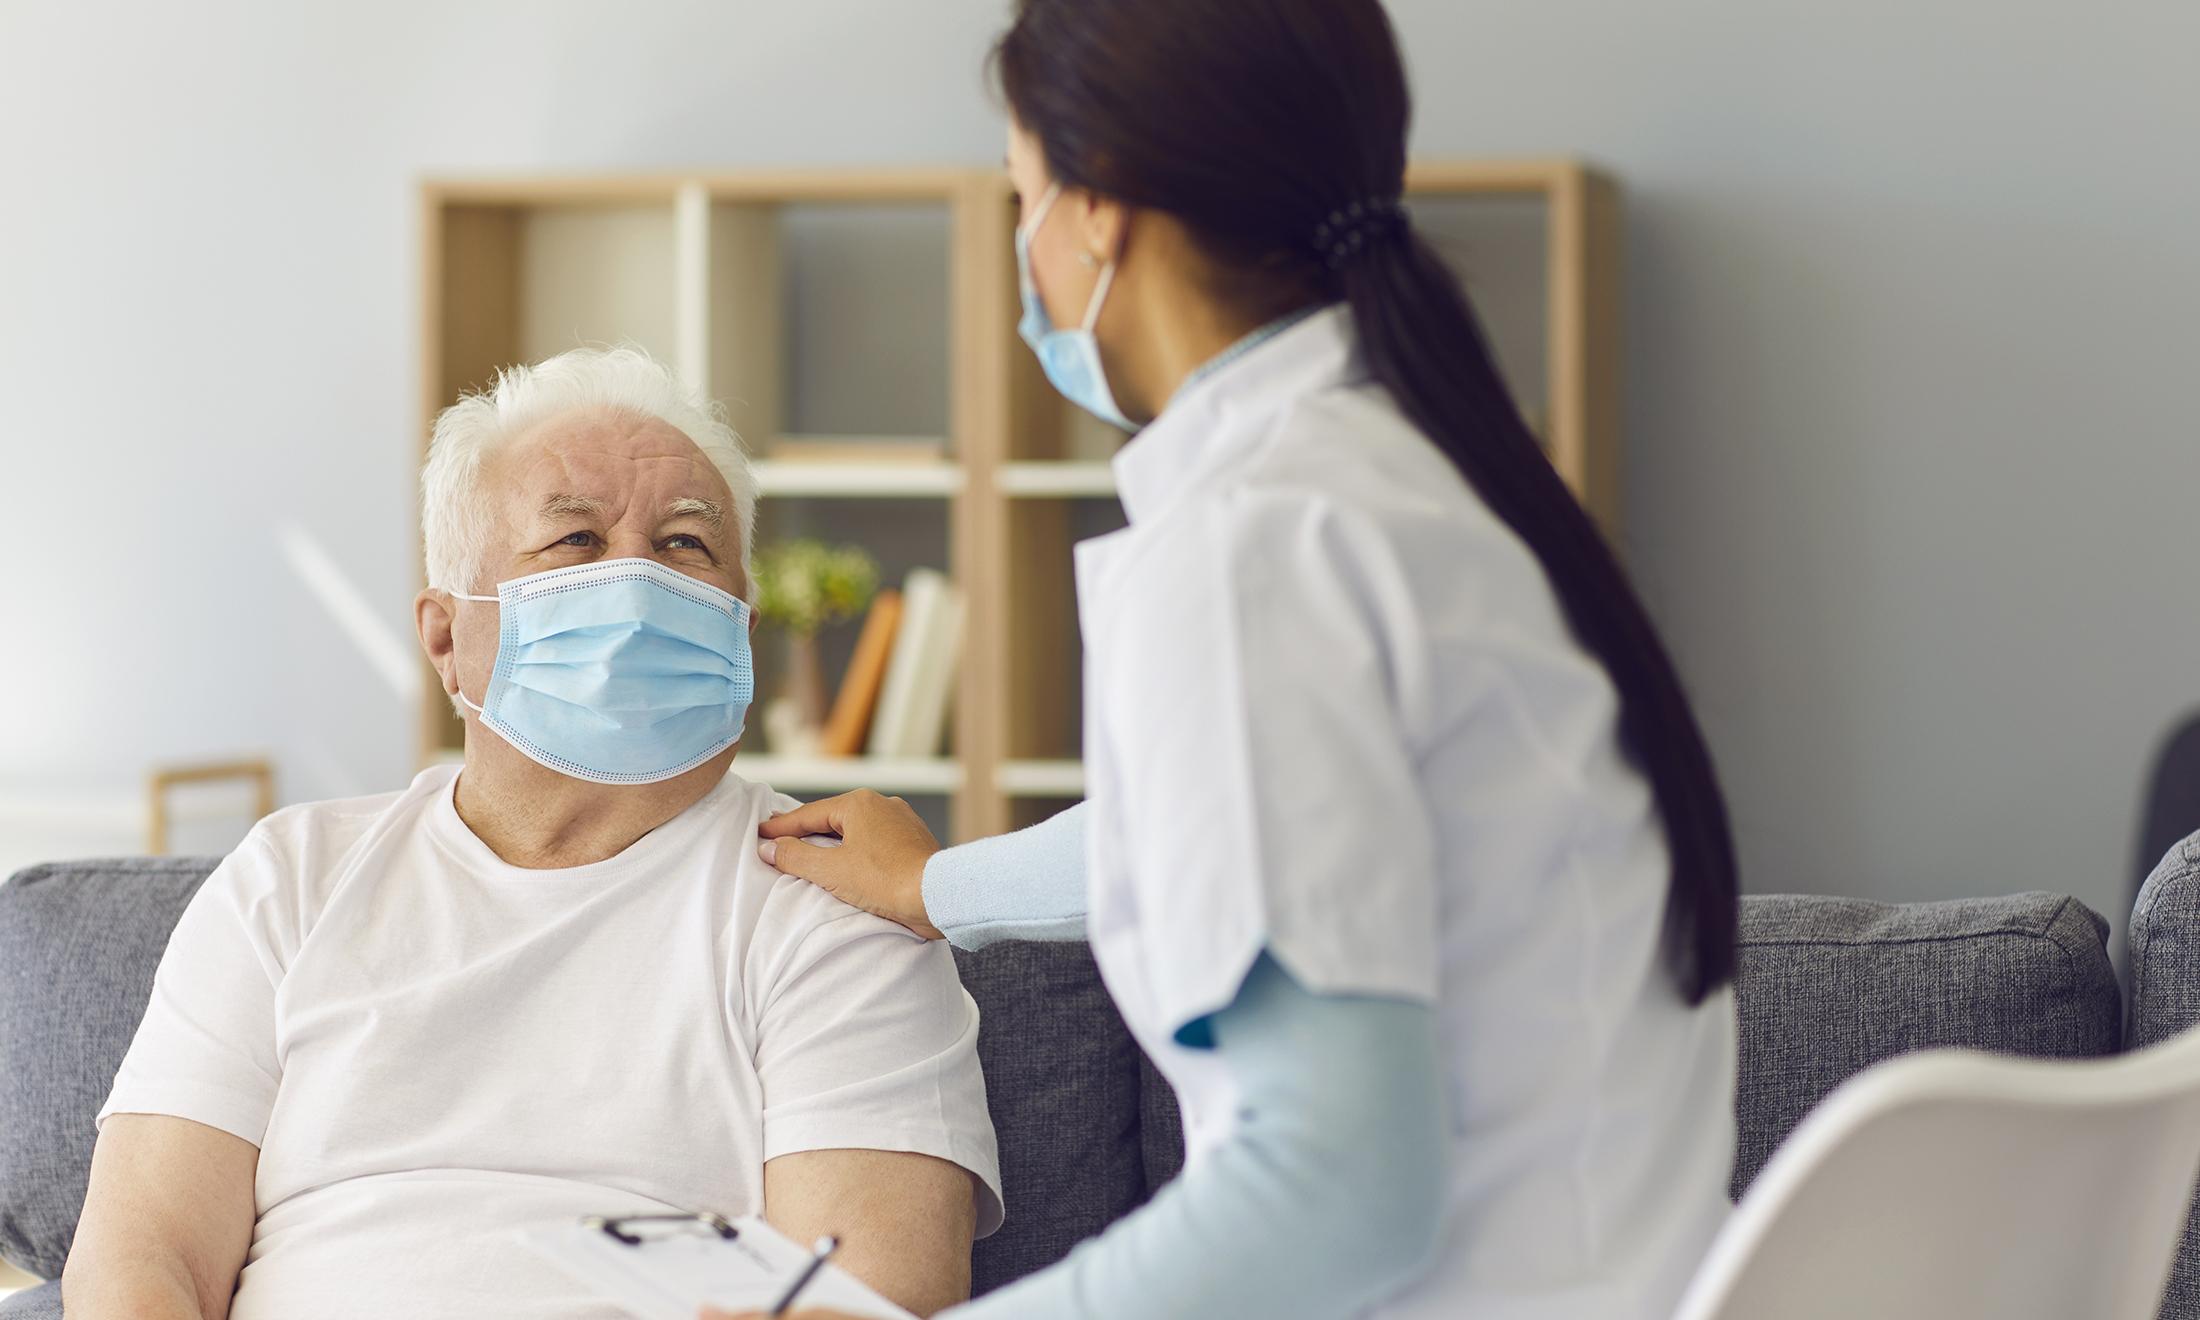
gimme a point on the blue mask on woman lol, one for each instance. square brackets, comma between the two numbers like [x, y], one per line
[1071, 358]
[620, 672]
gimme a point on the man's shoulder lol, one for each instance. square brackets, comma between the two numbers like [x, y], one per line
[798, 920]
[740, 793]
[317, 831]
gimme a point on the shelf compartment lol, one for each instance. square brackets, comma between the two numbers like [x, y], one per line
[866, 317]
[596, 275]
[1500, 246]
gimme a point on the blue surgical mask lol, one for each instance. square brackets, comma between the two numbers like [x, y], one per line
[1071, 358]
[620, 672]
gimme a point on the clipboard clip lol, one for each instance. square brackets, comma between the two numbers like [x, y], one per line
[702, 1219]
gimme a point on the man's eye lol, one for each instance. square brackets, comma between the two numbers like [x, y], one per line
[581, 539]
[682, 541]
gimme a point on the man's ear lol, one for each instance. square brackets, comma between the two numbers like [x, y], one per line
[432, 620]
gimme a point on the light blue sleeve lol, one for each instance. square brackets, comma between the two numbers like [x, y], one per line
[1029, 885]
[1327, 1198]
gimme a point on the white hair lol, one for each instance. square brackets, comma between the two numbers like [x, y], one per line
[456, 516]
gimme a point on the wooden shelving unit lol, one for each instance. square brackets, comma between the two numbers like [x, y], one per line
[883, 305]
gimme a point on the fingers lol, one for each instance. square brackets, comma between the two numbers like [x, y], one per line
[824, 816]
[804, 861]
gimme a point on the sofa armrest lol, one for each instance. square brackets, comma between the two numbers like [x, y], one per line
[78, 945]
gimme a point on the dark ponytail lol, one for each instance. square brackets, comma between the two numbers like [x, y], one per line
[1262, 125]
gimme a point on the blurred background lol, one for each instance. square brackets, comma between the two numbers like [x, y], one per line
[1910, 443]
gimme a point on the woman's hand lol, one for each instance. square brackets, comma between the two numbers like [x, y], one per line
[879, 865]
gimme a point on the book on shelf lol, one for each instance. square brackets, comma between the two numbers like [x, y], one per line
[920, 675]
[855, 450]
[850, 722]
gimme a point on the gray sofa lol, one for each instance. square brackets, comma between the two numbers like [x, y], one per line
[1087, 1128]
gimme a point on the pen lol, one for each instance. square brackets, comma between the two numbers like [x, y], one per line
[826, 1246]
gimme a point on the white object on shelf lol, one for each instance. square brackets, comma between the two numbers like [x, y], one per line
[920, 675]
[785, 731]
[926, 480]
[840, 774]
[1072, 480]
[1041, 779]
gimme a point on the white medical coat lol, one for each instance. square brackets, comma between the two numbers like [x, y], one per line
[1333, 710]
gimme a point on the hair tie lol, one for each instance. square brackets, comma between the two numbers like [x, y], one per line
[1347, 233]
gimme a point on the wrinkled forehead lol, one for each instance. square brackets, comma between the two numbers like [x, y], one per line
[612, 457]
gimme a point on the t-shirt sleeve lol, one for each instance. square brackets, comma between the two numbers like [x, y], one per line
[866, 1040]
[205, 1049]
[1255, 692]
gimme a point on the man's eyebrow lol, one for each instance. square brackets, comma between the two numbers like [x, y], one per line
[688, 506]
[572, 506]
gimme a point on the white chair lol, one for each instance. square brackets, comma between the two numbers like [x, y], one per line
[1950, 1184]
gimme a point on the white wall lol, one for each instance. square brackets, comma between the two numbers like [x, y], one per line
[1910, 318]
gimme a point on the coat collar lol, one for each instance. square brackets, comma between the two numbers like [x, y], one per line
[1225, 408]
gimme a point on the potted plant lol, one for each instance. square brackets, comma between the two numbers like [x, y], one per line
[802, 586]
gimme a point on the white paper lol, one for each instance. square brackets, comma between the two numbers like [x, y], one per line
[674, 1271]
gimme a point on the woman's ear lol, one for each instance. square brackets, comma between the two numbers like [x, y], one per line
[1103, 227]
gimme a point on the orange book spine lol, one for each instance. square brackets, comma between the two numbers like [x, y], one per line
[850, 722]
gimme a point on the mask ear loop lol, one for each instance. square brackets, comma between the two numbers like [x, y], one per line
[460, 595]
[1029, 231]
[1039, 217]
[1099, 298]
[1107, 273]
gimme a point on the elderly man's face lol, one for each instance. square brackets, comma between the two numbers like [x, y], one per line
[593, 485]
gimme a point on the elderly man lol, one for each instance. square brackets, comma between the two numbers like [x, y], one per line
[554, 981]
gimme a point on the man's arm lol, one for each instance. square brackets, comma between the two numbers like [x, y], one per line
[166, 1222]
[904, 1221]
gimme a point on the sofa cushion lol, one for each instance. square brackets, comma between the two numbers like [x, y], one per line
[1829, 986]
[78, 945]
[1161, 1126]
[2165, 1000]
[1061, 1076]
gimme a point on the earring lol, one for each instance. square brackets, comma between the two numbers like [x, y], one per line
[1088, 261]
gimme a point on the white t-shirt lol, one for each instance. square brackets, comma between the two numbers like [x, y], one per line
[1333, 710]
[432, 1048]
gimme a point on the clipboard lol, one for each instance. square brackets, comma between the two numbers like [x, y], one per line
[663, 1267]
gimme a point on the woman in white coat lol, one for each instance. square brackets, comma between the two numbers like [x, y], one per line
[1403, 856]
